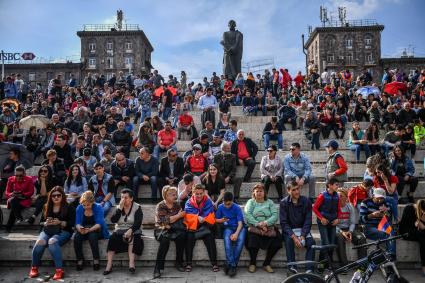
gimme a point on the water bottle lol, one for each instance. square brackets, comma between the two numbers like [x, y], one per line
[356, 277]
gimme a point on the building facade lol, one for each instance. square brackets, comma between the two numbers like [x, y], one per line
[105, 50]
[346, 47]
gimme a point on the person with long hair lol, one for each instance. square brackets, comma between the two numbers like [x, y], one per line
[57, 222]
[358, 141]
[261, 216]
[372, 137]
[75, 184]
[413, 223]
[89, 225]
[402, 166]
[271, 168]
[214, 184]
[43, 185]
[384, 179]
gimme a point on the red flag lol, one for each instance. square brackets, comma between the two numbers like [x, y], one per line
[385, 226]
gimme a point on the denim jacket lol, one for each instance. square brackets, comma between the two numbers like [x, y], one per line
[297, 167]
[106, 179]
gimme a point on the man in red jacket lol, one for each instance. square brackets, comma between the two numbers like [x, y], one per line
[19, 190]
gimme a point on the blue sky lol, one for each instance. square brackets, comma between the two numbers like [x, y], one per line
[186, 33]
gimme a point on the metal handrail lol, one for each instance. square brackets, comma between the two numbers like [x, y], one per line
[110, 27]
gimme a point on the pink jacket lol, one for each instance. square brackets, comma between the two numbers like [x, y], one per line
[26, 187]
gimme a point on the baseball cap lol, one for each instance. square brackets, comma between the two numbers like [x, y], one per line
[379, 193]
[332, 143]
[197, 146]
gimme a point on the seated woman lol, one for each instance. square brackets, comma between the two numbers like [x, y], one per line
[358, 142]
[127, 235]
[372, 137]
[413, 222]
[261, 217]
[402, 167]
[198, 220]
[169, 227]
[58, 220]
[271, 171]
[312, 130]
[146, 137]
[43, 185]
[327, 121]
[214, 184]
[223, 125]
[89, 225]
[75, 185]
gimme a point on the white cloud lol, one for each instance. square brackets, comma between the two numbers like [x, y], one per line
[358, 9]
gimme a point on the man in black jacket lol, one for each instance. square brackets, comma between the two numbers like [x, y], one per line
[226, 162]
[146, 171]
[273, 131]
[63, 150]
[245, 150]
[122, 139]
[171, 169]
[122, 171]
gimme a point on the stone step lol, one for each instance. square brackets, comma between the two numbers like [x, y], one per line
[17, 247]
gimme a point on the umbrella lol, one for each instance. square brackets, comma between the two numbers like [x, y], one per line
[394, 87]
[26, 157]
[12, 103]
[367, 90]
[39, 121]
[160, 91]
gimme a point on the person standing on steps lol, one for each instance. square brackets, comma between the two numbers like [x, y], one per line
[335, 165]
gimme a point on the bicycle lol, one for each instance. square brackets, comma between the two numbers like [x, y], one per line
[377, 259]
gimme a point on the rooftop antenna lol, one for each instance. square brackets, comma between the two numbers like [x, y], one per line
[323, 15]
[310, 29]
[120, 18]
[342, 14]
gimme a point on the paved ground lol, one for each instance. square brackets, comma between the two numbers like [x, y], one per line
[199, 274]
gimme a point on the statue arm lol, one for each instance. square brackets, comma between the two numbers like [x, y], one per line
[238, 44]
[223, 42]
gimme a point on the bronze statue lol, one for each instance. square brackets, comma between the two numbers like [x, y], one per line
[233, 46]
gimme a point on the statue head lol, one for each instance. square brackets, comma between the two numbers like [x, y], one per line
[232, 25]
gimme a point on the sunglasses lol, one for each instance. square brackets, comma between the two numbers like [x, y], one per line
[56, 196]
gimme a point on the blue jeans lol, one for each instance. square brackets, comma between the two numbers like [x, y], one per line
[386, 148]
[157, 150]
[268, 137]
[359, 147]
[233, 249]
[53, 244]
[166, 113]
[137, 181]
[371, 232]
[327, 237]
[145, 113]
[106, 206]
[290, 249]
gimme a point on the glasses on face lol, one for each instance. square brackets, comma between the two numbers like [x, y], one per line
[56, 196]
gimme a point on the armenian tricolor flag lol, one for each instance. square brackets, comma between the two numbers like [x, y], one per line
[385, 226]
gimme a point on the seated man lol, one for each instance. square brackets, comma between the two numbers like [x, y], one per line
[295, 220]
[215, 145]
[226, 162]
[171, 169]
[231, 134]
[103, 187]
[146, 172]
[167, 139]
[298, 168]
[273, 131]
[203, 141]
[121, 138]
[231, 216]
[288, 114]
[122, 170]
[245, 150]
[392, 139]
[196, 164]
[186, 124]
[372, 210]
[208, 130]
[249, 104]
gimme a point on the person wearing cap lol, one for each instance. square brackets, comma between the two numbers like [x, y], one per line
[245, 150]
[297, 167]
[203, 141]
[287, 114]
[207, 103]
[273, 131]
[197, 163]
[167, 139]
[312, 130]
[215, 145]
[335, 164]
[186, 124]
[271, 168]
[371, 212]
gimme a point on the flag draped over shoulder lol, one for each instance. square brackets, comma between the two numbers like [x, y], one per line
[205, 209]
[385, 226]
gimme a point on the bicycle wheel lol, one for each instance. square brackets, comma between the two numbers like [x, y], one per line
[394, 279]
[304, 278]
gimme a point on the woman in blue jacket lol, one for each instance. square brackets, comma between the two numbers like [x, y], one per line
[89, 225]
[402, 167]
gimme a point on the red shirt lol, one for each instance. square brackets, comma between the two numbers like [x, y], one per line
[242, 151]
[99, 192]
[167, 138]
[25, 186]
[185, 120]
[378, 184]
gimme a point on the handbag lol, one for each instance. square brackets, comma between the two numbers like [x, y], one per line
[52, 229]
[176, 229]
[271, 231]
[202, 232]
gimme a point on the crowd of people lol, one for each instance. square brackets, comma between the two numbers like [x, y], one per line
[84, 153]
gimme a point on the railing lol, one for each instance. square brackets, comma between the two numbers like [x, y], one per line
[110, 27]
[45, 60]
[351, 23]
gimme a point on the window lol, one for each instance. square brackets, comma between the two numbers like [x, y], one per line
[92, 63]
[128, 61]
[110, 63]
[128, 46]
[331, 58]
[349, 43]
[31, 77]
[369, 58]
[92, 47]
[368, 41]
[109, 46]
[349, 59]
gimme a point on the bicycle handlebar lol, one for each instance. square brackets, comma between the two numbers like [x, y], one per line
[380, 241]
